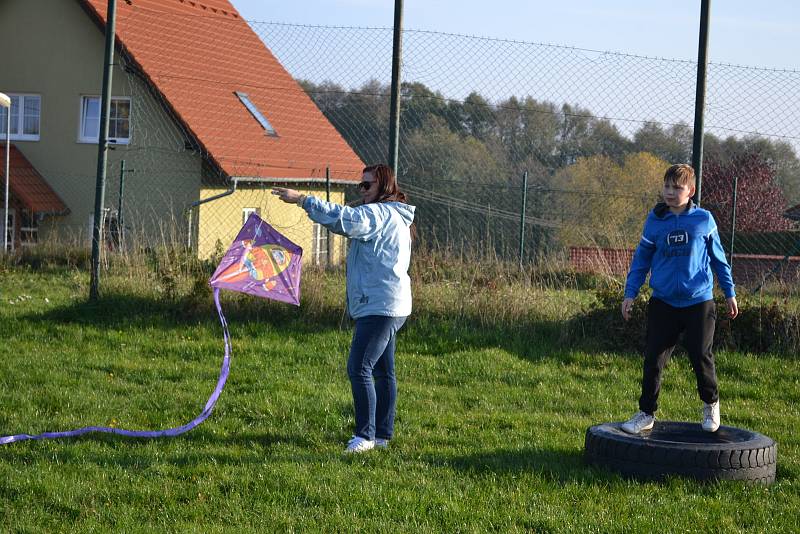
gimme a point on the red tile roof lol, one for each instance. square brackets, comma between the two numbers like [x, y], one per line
[197, 54]
[27, 185]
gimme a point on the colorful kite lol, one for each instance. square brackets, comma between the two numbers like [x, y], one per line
[260, 262]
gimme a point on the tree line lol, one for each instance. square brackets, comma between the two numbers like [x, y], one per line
[593, 182]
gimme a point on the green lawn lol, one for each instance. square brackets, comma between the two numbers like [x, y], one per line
[490, 423]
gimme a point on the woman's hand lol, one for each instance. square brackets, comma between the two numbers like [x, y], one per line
[290, 196]
[627, 306]
[733, 307]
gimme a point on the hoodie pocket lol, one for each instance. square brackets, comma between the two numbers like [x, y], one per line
[661, 282]
[693, 287]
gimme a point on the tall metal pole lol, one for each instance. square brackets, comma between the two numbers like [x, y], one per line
[102, 152]
[522, 218]
[733, 215]
[700, 100]
[120, 218]
[5, 101]
[394, 105]
[328, 199]
[121, 190]
[327, 184]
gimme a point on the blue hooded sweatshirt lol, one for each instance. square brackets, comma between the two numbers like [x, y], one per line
[680, 251]
[379, 255]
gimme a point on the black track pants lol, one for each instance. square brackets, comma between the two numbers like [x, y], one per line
[664, 325]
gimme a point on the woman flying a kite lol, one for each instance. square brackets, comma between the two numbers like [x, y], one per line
[378, 293]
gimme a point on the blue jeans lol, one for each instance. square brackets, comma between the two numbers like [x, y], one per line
[371, 370]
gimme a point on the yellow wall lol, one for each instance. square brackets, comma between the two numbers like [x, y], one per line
[220, 220]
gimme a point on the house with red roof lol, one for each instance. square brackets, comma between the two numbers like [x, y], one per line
[204, 120]
[30, 199]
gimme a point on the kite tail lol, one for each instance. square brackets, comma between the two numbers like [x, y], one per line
[223, 376]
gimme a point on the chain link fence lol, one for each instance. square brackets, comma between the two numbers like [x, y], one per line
[511, 151]
[583, 136]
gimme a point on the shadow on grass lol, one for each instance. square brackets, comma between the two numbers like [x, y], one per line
[562, 465]
[533, 338]
[427, 332]
[440, 333]
[242, 448]
[121, 311]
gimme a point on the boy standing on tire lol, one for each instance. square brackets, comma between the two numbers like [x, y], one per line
[680, 246]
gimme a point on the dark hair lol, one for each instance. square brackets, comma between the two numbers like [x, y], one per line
[680, 174]
[387, 183]
[388, 190]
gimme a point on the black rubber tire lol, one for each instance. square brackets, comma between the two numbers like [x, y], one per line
[683, 449]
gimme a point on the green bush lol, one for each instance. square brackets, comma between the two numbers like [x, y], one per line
[601, 324]
[761, 327]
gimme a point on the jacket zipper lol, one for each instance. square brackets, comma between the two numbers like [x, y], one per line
[675, 271]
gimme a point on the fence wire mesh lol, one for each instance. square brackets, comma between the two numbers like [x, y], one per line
[583, 136]
[593, 130]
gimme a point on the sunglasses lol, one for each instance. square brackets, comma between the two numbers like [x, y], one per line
[364, 186]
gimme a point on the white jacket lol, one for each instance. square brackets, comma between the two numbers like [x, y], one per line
[379, 256]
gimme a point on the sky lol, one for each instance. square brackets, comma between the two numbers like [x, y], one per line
[743, 32]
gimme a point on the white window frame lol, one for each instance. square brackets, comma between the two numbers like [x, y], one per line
[319, 244]
[113, 140]
[247, 211]
[21, 97]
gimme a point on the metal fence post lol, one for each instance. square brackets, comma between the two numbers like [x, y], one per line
[700, 100]
[5, 101]
[522, 218]
[488, 225]
[733, 214]
[102, 151]
[119, 204]
[120, 219]
[328, 199]
[394, 105]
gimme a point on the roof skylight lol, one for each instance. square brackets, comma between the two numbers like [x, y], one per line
[262, 120]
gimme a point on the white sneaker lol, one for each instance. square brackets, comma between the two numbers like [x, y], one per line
[639, 422]
[711, 417]
[359, 444]
[381, 443]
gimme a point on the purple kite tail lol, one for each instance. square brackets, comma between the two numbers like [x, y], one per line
[223, 376]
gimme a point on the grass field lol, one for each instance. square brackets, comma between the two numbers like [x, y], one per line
[490, 425]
